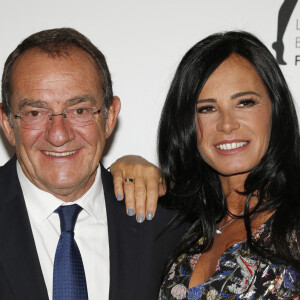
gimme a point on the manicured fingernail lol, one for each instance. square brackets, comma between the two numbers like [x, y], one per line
[130, 212]
[119, 197]
[140, 218]
[149, 215]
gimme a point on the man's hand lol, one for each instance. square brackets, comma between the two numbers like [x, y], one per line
[141, 195]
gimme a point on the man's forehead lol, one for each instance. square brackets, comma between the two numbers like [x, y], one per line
[35, 71]
[36, 55]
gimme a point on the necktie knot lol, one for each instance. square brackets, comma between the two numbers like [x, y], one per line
[68, 215]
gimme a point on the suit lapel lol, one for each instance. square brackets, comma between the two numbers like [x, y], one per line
[125, 238]
[18, 255]
[112, 232]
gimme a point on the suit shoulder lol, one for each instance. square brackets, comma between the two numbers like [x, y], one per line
[8, 174]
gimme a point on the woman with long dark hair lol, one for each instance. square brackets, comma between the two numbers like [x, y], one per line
[229, 152]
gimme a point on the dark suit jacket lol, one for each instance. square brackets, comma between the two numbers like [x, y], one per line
[137, 254]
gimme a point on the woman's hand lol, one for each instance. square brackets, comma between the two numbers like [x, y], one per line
[141, 195]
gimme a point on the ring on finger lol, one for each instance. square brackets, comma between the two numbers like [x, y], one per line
[128, 180]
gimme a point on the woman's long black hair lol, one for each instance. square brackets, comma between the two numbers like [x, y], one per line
[194, 188]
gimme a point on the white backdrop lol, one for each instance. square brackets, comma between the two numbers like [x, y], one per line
[143, 42]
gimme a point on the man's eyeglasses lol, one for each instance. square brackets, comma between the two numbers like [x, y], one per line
[39, 118]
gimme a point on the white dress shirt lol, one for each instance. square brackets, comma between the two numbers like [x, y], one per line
[91, 233]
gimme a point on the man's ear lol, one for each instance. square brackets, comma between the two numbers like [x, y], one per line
[112, 115]
[7, 127]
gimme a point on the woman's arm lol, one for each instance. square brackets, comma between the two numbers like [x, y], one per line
[141, 195]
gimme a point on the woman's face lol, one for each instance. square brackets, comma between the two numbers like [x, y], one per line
[233, 117]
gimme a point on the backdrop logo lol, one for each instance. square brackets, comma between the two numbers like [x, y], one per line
[284, 15]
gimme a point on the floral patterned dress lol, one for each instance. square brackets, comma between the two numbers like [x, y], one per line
[240, 274]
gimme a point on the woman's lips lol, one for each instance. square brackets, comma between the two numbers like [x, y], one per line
[231, 147]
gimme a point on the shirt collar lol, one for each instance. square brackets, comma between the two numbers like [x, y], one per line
[41, 204]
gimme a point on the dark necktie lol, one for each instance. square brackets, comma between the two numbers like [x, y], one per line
[68, 276]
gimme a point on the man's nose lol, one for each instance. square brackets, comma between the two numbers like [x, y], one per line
[227, 122]
[58, 132]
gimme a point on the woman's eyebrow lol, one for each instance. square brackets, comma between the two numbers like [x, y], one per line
[209, 100]
[243, 94]
[212, 100]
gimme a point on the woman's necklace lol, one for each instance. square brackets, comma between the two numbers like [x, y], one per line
[219, 230]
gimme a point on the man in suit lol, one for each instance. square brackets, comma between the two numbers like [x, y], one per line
[58, 110]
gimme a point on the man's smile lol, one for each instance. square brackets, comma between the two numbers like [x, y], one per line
[59, 154]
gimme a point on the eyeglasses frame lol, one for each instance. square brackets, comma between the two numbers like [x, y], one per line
[64, 114]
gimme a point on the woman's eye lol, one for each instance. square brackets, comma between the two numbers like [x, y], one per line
[205, 109]
[246, 103]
